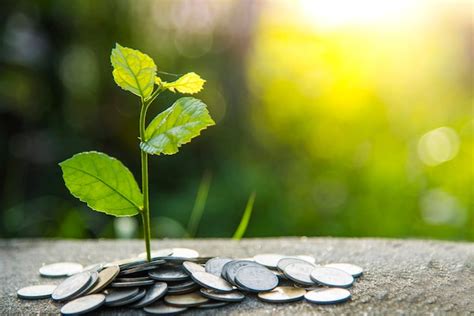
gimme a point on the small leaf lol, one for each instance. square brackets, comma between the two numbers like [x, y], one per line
[133, 71]
[175, 126]
[103, 182]
[188, 83]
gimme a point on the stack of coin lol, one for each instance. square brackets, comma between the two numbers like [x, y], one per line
[178, 279]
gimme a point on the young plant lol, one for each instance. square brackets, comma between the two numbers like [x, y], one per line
[103, 182]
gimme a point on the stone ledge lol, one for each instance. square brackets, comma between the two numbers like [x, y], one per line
[401, 276]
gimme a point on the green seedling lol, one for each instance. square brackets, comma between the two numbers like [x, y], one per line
[103, 182]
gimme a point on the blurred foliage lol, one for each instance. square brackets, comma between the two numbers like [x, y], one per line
[347, 118]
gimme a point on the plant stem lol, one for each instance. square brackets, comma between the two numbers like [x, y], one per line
[144, 164]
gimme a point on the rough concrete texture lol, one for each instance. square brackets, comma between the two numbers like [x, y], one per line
[401, 276]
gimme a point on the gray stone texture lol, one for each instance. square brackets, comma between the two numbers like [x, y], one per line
[401, 276]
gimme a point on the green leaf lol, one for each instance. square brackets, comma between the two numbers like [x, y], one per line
[188, 83]
[176, 126]
[102, 182]
[133, 71]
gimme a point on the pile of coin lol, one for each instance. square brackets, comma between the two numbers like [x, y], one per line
[178, 279]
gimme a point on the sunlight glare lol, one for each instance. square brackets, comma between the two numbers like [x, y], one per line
[336, 13]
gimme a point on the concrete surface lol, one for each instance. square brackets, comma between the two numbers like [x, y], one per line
[401, 276]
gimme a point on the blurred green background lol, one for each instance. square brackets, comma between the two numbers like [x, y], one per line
[348, 118]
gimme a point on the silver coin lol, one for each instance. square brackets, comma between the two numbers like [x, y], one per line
[183, 287]
[182, 254]
[256, 279]
[289, 260]
[201, 260]
[211, 281]
[145, 278]
[328, 296]
[248, 259]
[307, 258]
[138, 265]
[269, 260]
[212, 305]
[234, 296]
[186, 300]
[332, 277]
[106, 277]
[83, 304]
[132, 283]
[184, 290]
[157, 253]
[60, 269]
[162, 309]
[96, 267]
[279, 274]
[125, 263]
[230, 269]
[93, 281]
[178, 285]
[299, 273]
[168, 274]
[216, 264]
[307, 287]
[282, 294]
[191, 267]
[149, 266]
[36, 292]
[153, 293]
[139, 296]
[352, 269]
[71, 286]
[119, 295]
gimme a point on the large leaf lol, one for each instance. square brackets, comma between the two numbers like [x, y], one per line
[188, 83]
[103, 182]
[133, 71]
[176, 126]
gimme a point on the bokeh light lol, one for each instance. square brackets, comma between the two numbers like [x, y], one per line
[125, 227]
[439, 207]
[438, 146]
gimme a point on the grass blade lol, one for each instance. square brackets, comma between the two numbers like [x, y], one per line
[199, 204]
[244, 221]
